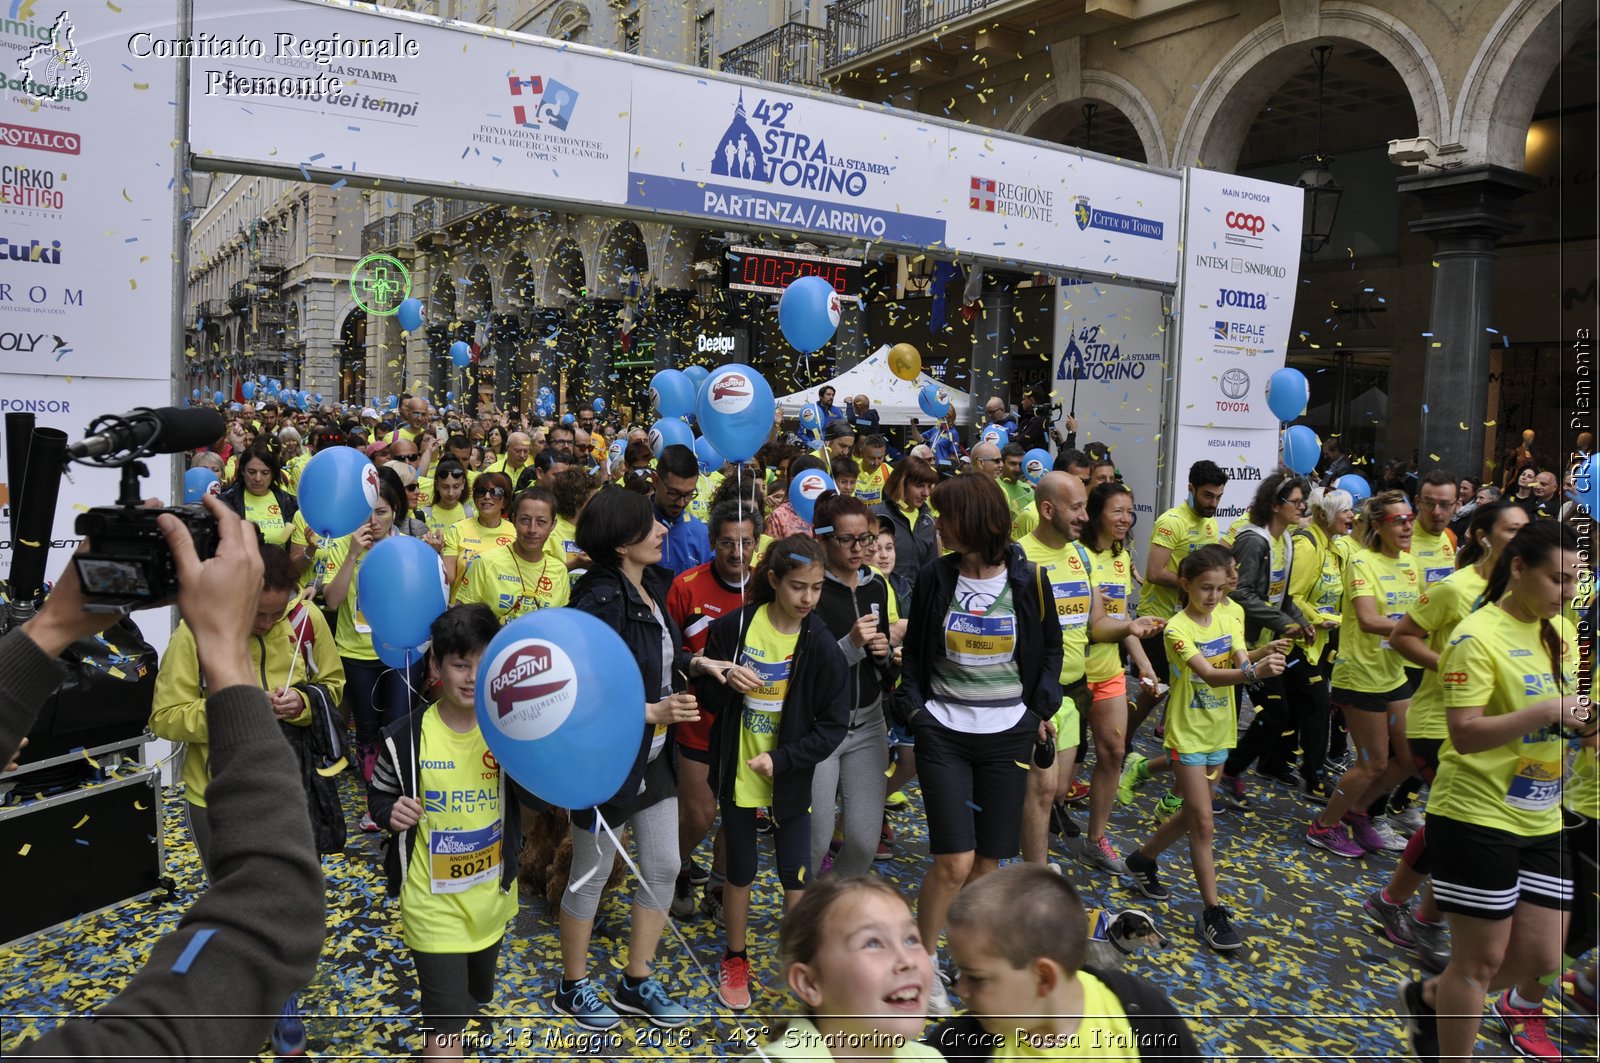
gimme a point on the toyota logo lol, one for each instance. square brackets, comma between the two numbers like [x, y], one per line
[1235, 383]
[1254, 224]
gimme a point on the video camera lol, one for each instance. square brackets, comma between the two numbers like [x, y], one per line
[129, 564]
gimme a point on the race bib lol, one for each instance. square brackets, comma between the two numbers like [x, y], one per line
[1116, 595]
[974, 640]
[1276, 584]
[1072, 602]
[460, 859]
[1536, 785]
[774, 676]
[1219, 653]
[1383, 644]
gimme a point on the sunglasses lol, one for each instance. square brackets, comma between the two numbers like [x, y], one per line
[406, 457]
[490, 492]
[1400, 518]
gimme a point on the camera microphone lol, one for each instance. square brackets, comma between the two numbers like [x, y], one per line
[167, 430]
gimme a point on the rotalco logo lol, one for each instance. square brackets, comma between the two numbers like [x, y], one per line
[26, 136]
[714, 344]
[1254, 224]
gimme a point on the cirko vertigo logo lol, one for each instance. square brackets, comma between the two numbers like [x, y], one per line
[1241, 298]
[31, 137]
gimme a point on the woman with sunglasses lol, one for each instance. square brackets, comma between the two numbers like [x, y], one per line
[449, 507]
[466, 539]
[859, 608]
[1382, 582]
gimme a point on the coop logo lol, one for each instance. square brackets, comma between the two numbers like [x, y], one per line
[1089, 217]
[34, 343]
[1245, 336]
[714, 344]
[1453, 679]
[731, 392]
[782, 155]
[1241, 298]
[27, 136]
[541, 103]
[533, 687]
[33, 251]
[1244, 228]
[1234, 385]
[1026, 202]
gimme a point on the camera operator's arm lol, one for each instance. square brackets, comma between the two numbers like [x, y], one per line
[214, 986]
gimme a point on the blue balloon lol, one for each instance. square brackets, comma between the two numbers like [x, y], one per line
[669, 432]
[567, 418]
[1358, 487]
[1301, 449]
[1287, 393]
[735, 411]
[806, 488]
[197, 483]
[235, 407]
[1035, 463]
[460, 354]
[672, 393]
[808, 313]
[409, 315]
[403, 657]
[545, 405]
[217, 398]
[697, 376]
[709, 457]
[599, 404]
[934, 400]
[557, 692]
[394, 402]
[249, 389]
[401, 591]
[338, 488]
[195, 393]
[996, 435]
[274, 389]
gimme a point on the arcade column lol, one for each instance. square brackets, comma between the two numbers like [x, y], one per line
[991, 344]
[1465, 212]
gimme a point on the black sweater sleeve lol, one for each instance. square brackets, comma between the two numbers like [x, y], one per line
[1254, 554]
[831, 709]
[28, 676]
[214, 986]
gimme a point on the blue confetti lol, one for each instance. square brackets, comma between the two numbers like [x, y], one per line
[182, 964]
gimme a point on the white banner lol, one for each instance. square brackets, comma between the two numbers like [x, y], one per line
[407, 98]
[1236, 300]
[1035, 203]
[86, 193]
[1107, 366]
[1247, 455]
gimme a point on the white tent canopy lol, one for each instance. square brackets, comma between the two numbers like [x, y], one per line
[893, 398]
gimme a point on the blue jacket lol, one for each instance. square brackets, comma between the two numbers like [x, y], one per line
[688, 542]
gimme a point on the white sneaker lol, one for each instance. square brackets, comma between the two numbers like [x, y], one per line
[939, 998]
[1407, 822]
[1392, 841]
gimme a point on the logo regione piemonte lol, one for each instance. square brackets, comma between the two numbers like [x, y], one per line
[552, 102]
[55, 69]
[982, 197]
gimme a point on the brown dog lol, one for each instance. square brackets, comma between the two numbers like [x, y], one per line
[546, 864]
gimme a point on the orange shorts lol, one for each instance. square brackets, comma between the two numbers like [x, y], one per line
[1106, 689]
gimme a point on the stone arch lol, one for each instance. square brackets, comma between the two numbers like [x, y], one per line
[1240, 83]
[622, 253]
[442, 298]
[569, 21]
[564, 274]
[1509, 73]
[518, 289]
[1101, 86]
[478, 296]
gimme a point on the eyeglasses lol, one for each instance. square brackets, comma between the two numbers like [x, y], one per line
[677, 496]
[848, 541]
[742, 544]
[1400, 518]
[490, 492]
[1297, 503]
[990, 461]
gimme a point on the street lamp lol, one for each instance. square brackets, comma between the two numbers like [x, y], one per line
[1322, 191]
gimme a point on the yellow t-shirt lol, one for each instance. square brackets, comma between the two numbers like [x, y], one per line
[770, 654]
[1182, 531]
[1441, 607]
[1068, 577]
[466, 540]
[700, 504]
[291, 471]
[424, 492]
[1498, 663]
[1582, 794]
[563, 541]
[1232, 534]
[1201, 718]
[1366, 664]
[451, 900]
[1103, 1031]
[1024, 512]
[263, 512]
[1434, 554]
[869, 485]
[351, 632]
[1113, 579]
[300, 534]
[441, 519]
[513, 587]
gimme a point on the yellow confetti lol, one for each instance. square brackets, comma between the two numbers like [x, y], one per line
[113, 7]
[81, 822]
[126, 196]
[140, 805]
[140, 85]
[27, 847]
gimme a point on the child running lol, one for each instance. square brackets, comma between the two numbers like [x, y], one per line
[1206, 654]
[784, 709]
[852, 957]
[452, 859]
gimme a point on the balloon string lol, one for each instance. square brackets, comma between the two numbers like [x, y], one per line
[300, 639]
[650, 894]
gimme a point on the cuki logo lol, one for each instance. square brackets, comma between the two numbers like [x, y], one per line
[532, 688]
[731, 392]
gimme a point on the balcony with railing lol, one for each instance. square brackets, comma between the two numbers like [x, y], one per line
[456, 209]
[386, 233]
[792, 54]
[370, 236]
[424, 216]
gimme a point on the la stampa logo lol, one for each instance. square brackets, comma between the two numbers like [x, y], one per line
[55, 69]
[548, 102]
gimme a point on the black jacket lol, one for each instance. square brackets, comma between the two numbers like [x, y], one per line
[1159, 1030]
[814, 720]
[840, 607]
[233, 498]
[1038, 634]
[1253, 551]
[915, 543]
[395, 773]
[605, 592]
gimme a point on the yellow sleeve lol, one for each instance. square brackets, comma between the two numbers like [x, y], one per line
[1305, 572]
[1359, 579]
[452, 541]
[178, 712]
[473, 590]
[330, 669]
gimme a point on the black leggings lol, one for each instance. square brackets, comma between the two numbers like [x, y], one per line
[377, 695]
[1289, 707]
[791, 834]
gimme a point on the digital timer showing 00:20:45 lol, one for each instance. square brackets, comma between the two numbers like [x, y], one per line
[754, 270]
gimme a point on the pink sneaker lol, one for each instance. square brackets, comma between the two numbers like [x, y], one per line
[1333, 839]
[1526, 1030]
[1363, 833]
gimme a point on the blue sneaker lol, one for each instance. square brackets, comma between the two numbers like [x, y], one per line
[586, 1007]
[649, 998]
[289, 1033]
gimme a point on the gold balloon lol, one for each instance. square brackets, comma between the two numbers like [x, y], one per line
[904, 361]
